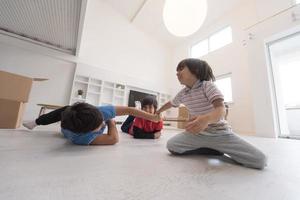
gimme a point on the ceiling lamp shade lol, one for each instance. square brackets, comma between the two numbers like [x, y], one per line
[184, 17]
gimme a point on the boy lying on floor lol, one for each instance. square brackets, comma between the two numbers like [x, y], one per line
[83, 124]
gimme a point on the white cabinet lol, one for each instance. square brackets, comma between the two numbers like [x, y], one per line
[164, 98]
[101, 92]
[113, 93]
[97, 92]
[80, 84]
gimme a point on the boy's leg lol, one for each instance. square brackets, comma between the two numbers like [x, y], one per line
[242, 152]
[228, 143]
[51, 117]
[187, 143]
[127, 124]
[200, 151]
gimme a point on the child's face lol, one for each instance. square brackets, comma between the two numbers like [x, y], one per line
[149, 109]
[185, 77]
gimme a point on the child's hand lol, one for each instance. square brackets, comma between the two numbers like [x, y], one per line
[197, 124]
[157, 135]
[111, 122]
[157, 117]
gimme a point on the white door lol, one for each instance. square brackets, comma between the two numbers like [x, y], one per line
[285, 63]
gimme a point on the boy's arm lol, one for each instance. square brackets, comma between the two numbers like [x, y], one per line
[218, 112]
[124, 110]
[112, 136]
[166, 106]
[199, 123]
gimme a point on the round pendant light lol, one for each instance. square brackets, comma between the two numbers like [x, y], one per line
[184, 17]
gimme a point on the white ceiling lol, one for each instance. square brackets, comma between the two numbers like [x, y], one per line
[149, 18]
[53, 23]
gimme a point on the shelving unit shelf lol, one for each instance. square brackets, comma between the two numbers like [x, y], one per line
[97, 92]
[100, 92]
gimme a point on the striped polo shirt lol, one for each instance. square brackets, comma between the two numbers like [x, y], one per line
[198, 101]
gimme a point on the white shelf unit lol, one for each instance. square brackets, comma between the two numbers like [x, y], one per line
[97, 92]
[80, 83]
[164, 98]
[100, 92]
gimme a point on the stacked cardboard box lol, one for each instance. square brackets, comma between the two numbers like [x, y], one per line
[14, 93]
[183, 113]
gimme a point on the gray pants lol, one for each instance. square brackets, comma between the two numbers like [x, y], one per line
[224, 141]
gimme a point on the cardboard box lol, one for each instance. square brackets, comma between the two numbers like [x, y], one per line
[14, 93]
[11, 113]
[14, 87]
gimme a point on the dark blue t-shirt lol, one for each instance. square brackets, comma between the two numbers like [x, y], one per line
[108, 112]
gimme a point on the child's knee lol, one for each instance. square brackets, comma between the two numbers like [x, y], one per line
[174, 146]
[171, 145]
[261, 161]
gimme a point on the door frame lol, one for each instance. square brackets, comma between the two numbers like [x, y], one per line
[279, 126]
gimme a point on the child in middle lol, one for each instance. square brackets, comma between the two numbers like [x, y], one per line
[142, 128]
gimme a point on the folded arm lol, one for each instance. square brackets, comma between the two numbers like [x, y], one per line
[112, 136]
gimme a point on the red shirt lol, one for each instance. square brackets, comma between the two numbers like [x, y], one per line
[146, 125]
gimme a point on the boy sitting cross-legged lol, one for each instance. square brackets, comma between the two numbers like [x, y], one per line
[142, 128]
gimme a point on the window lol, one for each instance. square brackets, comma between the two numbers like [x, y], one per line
[220, 39]
[224, 85]
[213, 42]
[199, 49]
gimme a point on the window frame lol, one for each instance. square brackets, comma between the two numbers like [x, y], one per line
[214, 34]
[208, 41]
[205, 39]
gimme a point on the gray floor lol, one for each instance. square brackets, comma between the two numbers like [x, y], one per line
[41, 165]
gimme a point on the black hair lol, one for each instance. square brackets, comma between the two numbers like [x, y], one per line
[198, 67]
[81, 118]
[149, 100]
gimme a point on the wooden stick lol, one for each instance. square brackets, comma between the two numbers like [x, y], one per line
[175, 120]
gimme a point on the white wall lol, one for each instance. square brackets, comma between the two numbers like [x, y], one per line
[251, 112]
[267, 8]
[110, 42]
[263, 101]
[30, 63]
